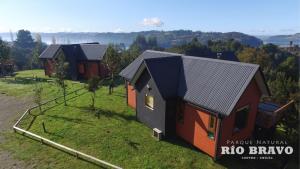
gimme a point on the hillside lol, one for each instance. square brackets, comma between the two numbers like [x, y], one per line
[165, 38]
[282, 40]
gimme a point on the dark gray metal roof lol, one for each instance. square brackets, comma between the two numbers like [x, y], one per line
[157, 68]
[93, 51]
[77, 51]
[213, 84]
[130, 70]
[50, 51]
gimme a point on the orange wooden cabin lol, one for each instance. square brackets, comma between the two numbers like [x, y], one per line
[203, 101]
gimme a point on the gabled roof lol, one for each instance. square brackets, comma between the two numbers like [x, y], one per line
[88, 51]
[130, 70]
[50, 51]
[157, 68]
[93, 51]
[213, 84]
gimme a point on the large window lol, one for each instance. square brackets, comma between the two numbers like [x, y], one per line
[211, 126]
[149, 101]
[241, 118]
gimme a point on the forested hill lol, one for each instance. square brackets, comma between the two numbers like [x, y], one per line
[164, 38]
[282, 40]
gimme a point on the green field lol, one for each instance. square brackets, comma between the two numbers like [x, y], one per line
[115, 136]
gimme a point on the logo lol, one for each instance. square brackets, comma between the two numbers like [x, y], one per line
[257, 149]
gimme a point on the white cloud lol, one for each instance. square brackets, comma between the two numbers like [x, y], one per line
[118, 30]
[152, 22]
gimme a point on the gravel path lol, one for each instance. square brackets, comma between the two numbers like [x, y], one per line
[11, 109]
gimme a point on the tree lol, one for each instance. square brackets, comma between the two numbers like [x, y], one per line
[24, 39]
[193, 48]
[290, 66]
[152, 42]
[140, 42]
[38, 92]
[4, 51]
[4, 56]
[60, 67]
[35, 61]
[112, 60]
[93, 86]
[22, 49]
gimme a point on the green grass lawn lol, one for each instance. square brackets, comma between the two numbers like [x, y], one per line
[23, 83]
[115, 136]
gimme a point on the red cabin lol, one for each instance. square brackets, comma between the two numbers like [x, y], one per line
[202, 100]
[85, 60]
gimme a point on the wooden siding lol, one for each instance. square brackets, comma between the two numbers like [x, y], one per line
[49, 67]
[194, 127]
[250, 97]
[131, 96]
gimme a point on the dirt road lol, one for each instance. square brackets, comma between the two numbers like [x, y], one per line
[11, 109]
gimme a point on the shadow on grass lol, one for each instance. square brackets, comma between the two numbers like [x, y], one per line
[113, 114]
[132, 144]
[32, 121]
[53, 134]
[25, 80]
[106, 113]
[72, 120]
[119, 94]
[118, 80]
[175, 140]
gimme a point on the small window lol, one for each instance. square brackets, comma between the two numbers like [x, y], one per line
[211, 126]
[241, 118]
[149, 101]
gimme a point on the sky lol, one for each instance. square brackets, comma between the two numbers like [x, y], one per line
[255, 17]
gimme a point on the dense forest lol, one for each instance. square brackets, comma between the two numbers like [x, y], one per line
[279, 65]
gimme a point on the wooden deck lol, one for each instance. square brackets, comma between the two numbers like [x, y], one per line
[270, 113]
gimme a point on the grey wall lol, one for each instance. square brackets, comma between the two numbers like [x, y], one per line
[152, 118]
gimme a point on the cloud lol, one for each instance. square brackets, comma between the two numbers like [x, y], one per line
[152, 22]
[118, 30]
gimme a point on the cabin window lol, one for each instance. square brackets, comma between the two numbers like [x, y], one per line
[211, 126]
[149, 101]
[241, 118]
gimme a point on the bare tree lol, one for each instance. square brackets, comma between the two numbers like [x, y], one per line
[112, 60]
[93, 86]
[61, 67]
[53, 40]
[38, 92]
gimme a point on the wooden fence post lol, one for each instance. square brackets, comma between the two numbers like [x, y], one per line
[44, 128]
